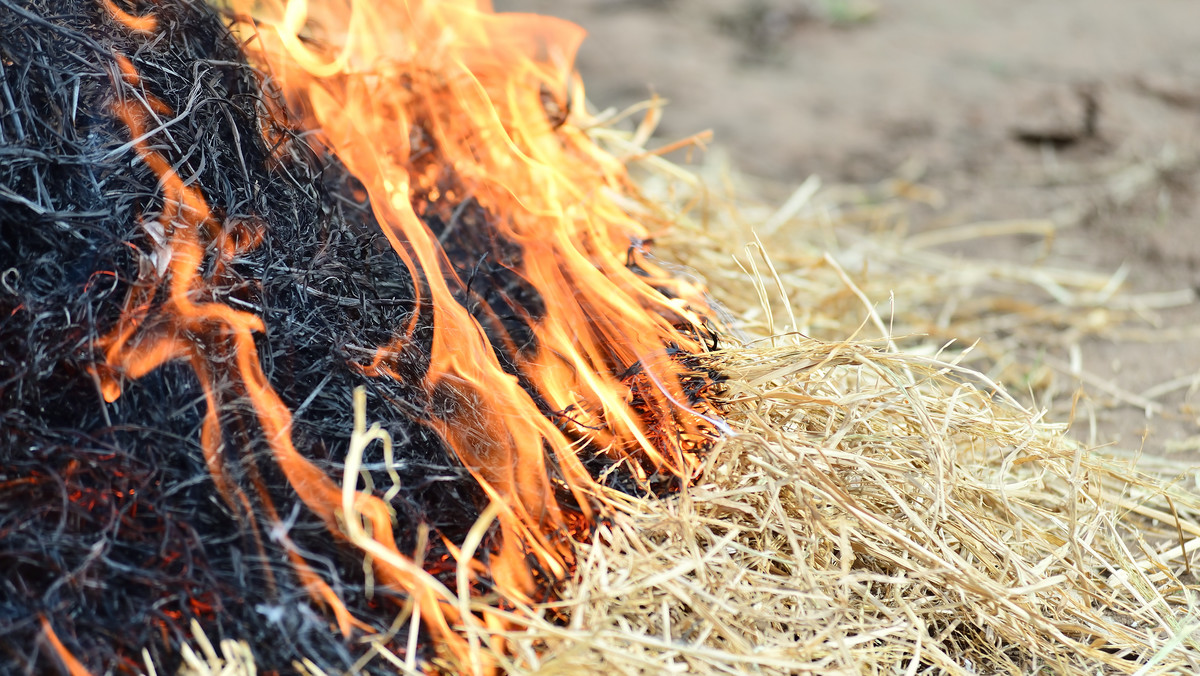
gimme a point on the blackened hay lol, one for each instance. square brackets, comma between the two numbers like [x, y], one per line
[110, 525]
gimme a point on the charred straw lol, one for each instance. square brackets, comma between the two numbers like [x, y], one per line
[113, 530]
[110, 526]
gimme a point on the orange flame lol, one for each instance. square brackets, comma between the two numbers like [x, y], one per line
[207, 333]
[73, 666]
[433, 106]
[434, 103]
[136, 24]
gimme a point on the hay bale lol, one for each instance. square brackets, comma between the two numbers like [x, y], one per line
[869, 509]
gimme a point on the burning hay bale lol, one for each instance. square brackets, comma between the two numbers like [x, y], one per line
[210, 239]
[191, 293]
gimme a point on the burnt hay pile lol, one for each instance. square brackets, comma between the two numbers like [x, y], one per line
[110, 525]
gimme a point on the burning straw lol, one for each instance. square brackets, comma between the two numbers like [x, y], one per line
[510, 492]
[876, 509]
[195, 282]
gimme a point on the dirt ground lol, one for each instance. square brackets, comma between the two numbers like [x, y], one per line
[1086, 112]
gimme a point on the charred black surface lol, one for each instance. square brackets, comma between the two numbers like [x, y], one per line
[111, 527]
[504, 303]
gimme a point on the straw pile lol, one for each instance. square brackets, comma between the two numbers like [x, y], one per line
[878, 503]
[871, 509]
[877, 509]
[875, 513]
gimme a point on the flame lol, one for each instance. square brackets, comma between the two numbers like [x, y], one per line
[146, 24]
[433, 103]
[72, 665]
[457, 122]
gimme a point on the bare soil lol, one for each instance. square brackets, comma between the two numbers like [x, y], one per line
[1086, 112]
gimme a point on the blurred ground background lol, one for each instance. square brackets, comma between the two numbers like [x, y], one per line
[1083, 112]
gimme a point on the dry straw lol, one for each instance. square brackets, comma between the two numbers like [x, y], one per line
[877, 509]
[880, 506]
[876, 512]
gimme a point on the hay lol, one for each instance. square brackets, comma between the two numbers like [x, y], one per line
[877, 505]
[878, 510]
[880, 506]
[876, 513]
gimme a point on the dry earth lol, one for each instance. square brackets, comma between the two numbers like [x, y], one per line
[1086, 112]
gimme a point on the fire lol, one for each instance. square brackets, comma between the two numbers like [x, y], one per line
[432, 105]
[73, 666]
[458, 123]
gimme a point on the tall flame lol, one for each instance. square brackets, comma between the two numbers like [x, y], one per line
[430, 104]
[457, 122]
